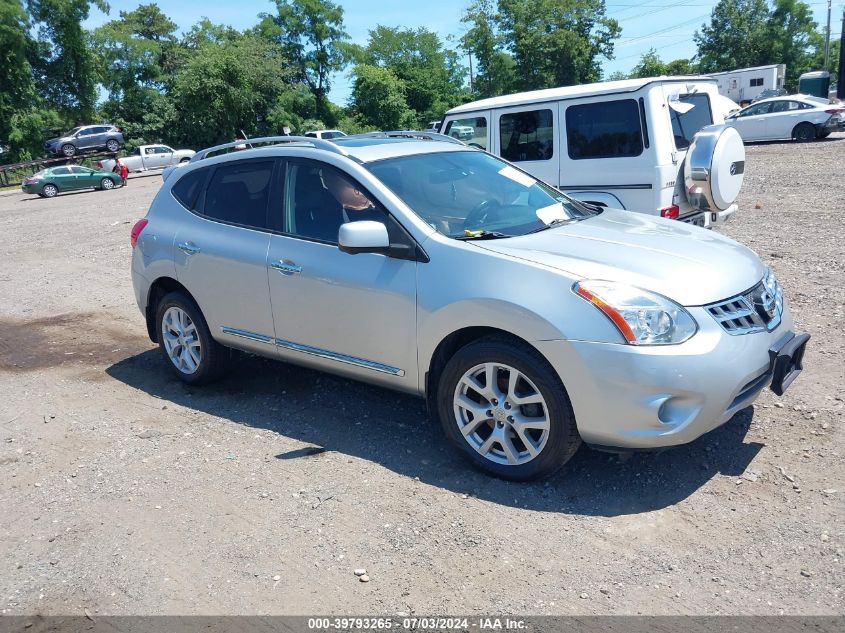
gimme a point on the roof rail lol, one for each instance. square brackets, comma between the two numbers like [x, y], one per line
[315, 142]
[414, 134]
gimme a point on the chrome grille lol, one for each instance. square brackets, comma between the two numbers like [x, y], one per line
[746, 313]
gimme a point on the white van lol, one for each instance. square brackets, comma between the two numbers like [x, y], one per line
[620, 144]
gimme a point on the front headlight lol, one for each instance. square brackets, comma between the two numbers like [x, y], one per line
[773, 286]
[642, 317]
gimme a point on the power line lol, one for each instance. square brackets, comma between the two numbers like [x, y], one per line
[634, 40]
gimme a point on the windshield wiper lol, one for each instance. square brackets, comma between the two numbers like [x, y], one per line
[481, 235]
[554, 223]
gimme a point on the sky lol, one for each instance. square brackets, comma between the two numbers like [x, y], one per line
[666, 25]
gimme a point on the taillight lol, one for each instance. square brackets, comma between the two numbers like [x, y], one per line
[670, 212]
[136, 231]
[98, 165]
[835, 111]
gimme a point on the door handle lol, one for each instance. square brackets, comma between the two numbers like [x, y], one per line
[286, 267]
[189, 248]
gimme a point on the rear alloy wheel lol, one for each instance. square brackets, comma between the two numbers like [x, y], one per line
[68, 150]
[804, 132]
[112, 145]
[107, 183]
[185, 341]
[505, 407]
[50, 191]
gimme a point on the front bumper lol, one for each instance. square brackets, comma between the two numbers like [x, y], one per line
[643, 397]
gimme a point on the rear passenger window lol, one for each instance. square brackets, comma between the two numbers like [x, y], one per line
[188, 187]
[525, 136]
[608, 129]
[238, 193]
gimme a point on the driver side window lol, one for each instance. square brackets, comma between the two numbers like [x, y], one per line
[319, 198]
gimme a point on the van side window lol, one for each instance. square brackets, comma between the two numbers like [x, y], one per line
[526, 135]
[607, 129]
[472, 131]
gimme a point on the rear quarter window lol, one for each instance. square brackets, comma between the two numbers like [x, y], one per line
[187, 188]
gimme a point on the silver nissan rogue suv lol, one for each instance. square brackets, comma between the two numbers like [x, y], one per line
[529, 321]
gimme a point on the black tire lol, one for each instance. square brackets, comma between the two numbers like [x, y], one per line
[563, 439]
[107, 183]
[50, 191]
[804, 132]
[214, 357]
[68, 150]
[112, 145]
[185, 160]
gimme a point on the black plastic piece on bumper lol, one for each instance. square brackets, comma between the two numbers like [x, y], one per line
[786, 362]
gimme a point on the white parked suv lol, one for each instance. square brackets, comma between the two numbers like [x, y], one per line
[528, 320]
[619, 144]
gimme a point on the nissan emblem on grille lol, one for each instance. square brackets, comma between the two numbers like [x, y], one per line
[753, 311]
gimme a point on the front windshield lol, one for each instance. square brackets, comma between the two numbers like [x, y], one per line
[73, 131]
[471, 194]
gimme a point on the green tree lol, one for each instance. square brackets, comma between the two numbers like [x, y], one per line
[17, 90]
[432, 75]
[135, 52]
[378, 96]
[225, 87]
[495, 69]
[64, 67]
[312, 36]
[744, 33]
[550, 42]
[650, 65]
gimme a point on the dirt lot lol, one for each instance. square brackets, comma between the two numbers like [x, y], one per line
[124, 492]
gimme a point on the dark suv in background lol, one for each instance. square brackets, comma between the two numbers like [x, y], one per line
[86, 138]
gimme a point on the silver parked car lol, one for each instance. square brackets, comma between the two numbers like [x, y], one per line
[529, 321]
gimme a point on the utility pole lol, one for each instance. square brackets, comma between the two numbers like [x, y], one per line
[840, 83]
[471, 86]
[827, 38]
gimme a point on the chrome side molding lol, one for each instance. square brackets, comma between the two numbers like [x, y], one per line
[316, 351]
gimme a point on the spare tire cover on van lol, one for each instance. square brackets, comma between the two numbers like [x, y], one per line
[714, 168]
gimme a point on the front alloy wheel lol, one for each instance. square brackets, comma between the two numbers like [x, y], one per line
[501, 414]
[502, 404]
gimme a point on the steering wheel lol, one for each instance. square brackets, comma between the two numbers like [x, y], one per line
[478, 214]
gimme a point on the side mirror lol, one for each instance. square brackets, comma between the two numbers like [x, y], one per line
[364, 236]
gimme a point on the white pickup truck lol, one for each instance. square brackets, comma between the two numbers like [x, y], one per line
[147, 157]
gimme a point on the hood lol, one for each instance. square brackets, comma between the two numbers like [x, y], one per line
[58, 139]
[690, 265]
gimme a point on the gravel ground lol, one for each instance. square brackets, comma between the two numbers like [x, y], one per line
[124, 492]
